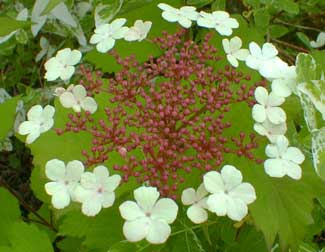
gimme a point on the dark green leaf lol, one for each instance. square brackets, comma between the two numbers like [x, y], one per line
[7, 114]
[10, 25]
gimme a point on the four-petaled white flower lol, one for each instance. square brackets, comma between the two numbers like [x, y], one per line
[196, 212]
[267, 107]
[65, 179]
[96, 190]
[229, 195]
[184, 16]
[39, 121]
[138, 31]
[106, 34]
[233, 51]
[148, 217]
[320, 41]
[258, 56]
[62, 65]
[75, 97]
[270, 130]
[283, 77]
[283, 160]
[219, 20]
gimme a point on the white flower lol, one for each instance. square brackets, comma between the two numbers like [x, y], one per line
[184, 16]
[270, 130]
[96, 190]
[267, 107]
[229, 195]
[320, 41]
[233, 51]
[258, 56]
[75, 97]
[148, 217]
[138, 31]
[283, 160]
[219, 20]
[196, 212]
[64, 181]
[106, 34]
[39, 121]
[62, 65]
[283, 77]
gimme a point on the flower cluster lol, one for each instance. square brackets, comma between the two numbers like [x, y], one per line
[95, 190]
[173, 103]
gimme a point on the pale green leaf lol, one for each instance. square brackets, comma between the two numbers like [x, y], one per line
[7, 115]
[11, 25]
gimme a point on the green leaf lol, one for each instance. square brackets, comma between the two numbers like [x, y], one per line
[130, 5]
[307, 68]
[9, 213]
[277, 31]
[287, 5]
[27, 238]
[10, 25]
[304, 39]
[95, 230]
[262, 19]
[318, 151]
[218, 5]
[283, 206]
[50, 6]
[198, 3]
[7, 114]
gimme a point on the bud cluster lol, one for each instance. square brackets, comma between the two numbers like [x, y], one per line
[172, 109]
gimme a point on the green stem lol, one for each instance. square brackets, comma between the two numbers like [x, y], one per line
[297, 26]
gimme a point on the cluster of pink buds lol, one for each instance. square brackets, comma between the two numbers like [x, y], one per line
[172, 109]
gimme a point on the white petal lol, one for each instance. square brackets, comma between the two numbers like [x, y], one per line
[259, 113]
[197, 214]
[170, 16]
[201, 192]
[61, 199]
[120, 33]
[89, 104]
[67, 72]
[261, 95]
[275, 168]
[269, 51]
[217, 203]
[27, 127]
[244, 192]
[252, 62]
[75, 57]
[136, 230]
[45, 126]
[260, 129]
[226, 45]
[96, 38]
[276, 115]
[117, 24]
[88, 181]
[55, 169]
[165, 7]
[53, 69]
[53, 187]
[231, 177]
[282, 144]
[275, 100]
[241, 54]
[223, 30]
[213, 182]
[146, 197]
[47, 113]
[112, 182]
[280, 88]
[33, 136]
[165, 209]
[68, 100]
[294, 154]
[158, 232]
[79, 92]
[235, 44]
[271, 151]
[101, 171]
[255, 49]
[105, 45]
[81, 194]
[108, 199]
[236, 209]
[185, 22]
[74, 169]
[232, 60]
[91, 206]
[34, 114]
[63, 55]
[188, 196]
[293, 170]
[130, 211]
